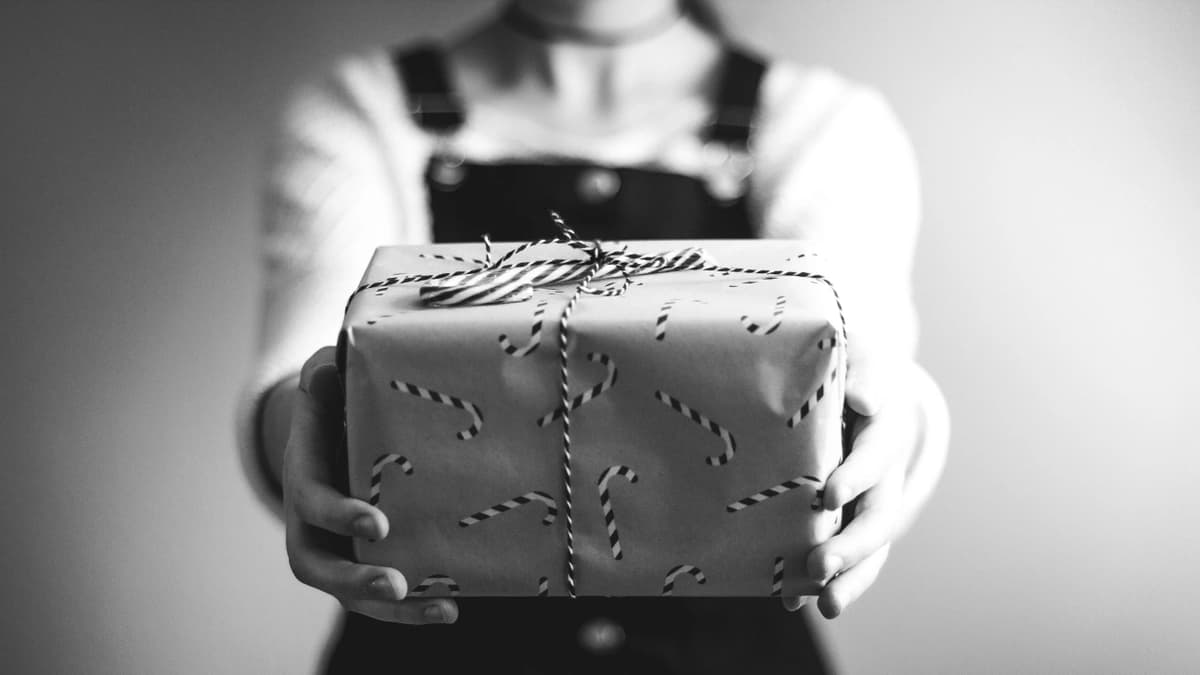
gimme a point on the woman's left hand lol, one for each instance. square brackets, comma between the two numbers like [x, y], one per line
[885, 434]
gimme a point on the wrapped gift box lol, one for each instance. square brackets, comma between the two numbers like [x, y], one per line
[707, 416]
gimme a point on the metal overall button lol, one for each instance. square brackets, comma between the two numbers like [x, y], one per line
[601, 636]
[727, 171]
[447, 165]
[447, 172]
[598, 184]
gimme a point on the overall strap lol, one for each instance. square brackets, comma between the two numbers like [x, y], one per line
[433, 104]
[737, 97]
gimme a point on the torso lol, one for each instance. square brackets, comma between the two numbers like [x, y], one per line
[510, 199]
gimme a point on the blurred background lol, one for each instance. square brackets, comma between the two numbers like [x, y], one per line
[1060, 149]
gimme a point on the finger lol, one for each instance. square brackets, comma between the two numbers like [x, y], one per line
[869, 380]
[319, 379]
[323, 506]
[317, 422]
[411, 611]
[308, 480]
[378, 592]
[317, 418]
[316, 426]
[870, 530]
[315, 434]
[879, 446]
[848, 586]
[805, 589]
[795, 603]
[314, 564]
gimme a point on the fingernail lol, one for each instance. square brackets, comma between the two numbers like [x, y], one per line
[364, 526]
[434, 614]
[794, 604]
[382, 587]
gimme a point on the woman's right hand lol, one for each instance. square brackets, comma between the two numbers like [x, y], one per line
[319, 517]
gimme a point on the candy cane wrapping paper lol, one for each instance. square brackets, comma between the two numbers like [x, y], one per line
[749, 384]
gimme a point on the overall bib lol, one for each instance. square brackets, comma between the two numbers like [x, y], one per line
[510, 202]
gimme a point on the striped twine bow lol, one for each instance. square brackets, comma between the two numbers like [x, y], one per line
[503, 280]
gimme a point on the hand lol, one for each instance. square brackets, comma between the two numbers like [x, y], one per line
[319, 517]
[884, 437]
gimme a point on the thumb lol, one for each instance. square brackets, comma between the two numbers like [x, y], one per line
[314, 446]
[320, 381]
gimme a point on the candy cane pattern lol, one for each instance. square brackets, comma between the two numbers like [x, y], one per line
[454, 258]
[660, 324]
[699, 418]
[377, 473]
[690, 570]
[543, 587]
[551, 509]
[605, 385]
[772, 324]
[664, 313]
[446, 399]
[784, 487]
[799, 256]
[535, 334]
[817, 278]
[614, 539]
[435, 580]
[777, 578]
[751, 282]
[809, 405]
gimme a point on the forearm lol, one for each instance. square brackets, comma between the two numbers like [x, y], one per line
[929, 456]
[275, 421]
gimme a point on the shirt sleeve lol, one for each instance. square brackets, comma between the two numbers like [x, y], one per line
[837, 169]
[329, 199]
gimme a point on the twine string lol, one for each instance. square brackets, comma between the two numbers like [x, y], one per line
[564, 391]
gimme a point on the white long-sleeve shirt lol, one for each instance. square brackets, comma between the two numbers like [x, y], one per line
[832, 164]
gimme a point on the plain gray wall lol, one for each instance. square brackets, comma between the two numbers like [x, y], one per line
[1057, 281]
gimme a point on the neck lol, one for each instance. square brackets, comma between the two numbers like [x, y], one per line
[611, 21]
[585, 78]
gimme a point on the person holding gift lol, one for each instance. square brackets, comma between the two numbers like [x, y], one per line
[636, 119]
